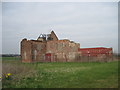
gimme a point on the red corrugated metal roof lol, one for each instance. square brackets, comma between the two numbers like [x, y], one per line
[93, 48]
[94, 51]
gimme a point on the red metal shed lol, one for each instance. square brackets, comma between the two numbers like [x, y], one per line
[95, 51]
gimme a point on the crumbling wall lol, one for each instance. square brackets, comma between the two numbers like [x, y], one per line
[38, 51]
[63, 50]
[26, 50]
[32, 51]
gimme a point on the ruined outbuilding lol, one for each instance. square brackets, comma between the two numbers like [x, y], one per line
[48, 48]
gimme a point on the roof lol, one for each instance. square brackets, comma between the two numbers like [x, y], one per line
[52, 32]
[94, 48]
[94, 51]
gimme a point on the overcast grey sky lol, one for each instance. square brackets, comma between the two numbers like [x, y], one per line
[92, 24]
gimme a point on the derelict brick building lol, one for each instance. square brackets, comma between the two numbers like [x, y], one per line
[47, 48]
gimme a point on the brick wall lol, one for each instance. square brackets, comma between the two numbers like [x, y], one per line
[62, 50]
[38, 51]
[32, 50]
[26, 50]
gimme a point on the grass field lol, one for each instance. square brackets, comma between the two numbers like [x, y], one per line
[60, 75]
[10, 58]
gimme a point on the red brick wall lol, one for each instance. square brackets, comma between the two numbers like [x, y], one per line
[38, 51]
[32, 51]
[63, 50]
[26, 51]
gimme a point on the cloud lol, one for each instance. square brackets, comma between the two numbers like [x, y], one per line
[80, 22]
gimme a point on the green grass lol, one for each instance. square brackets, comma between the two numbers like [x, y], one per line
[10, 58]
[61, 75]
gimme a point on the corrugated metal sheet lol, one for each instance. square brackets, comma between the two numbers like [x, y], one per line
[95, 51]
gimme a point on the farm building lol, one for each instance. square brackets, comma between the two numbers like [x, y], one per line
[48, 48]
[96, 54]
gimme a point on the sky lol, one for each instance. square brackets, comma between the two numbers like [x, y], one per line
[92, 24]
[0, 28]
